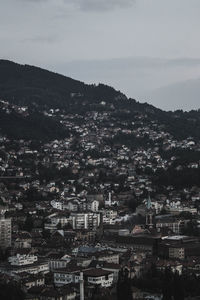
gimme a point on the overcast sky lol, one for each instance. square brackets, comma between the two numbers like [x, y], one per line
[137, 46]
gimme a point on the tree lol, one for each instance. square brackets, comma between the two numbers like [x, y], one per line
[178, 290]
[191, 228]
[28, 225]
[167, 291]
[11, 292]
[124, 286]
[186, 215]
[132, 204]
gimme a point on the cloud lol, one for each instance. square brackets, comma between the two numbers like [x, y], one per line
[135, 63]
[90, 5]
[42, 39]
[102, 5]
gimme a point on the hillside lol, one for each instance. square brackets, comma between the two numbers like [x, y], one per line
[26, 85]
[40, 90]
[28, 93]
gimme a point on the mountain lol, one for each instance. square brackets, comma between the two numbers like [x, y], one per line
[26, 85]
[187, 93]
[28, 94]
[40, 90]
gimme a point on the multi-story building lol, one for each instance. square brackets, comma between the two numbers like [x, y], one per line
[85, 220]
[175, 225]
[109, 216]
[5, 232]
[177, 252]
[179, 247]
[93, 205]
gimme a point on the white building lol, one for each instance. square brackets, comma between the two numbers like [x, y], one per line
[109, 216]
[71, 205]
[22, 260]
[59, 263]
[85, 220]
[94, 276]
[93, 205]
[57, 204]
[35, 268]
[110, 201]
[99, 276]
[55, 219]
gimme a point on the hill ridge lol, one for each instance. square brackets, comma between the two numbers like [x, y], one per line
[41, 90]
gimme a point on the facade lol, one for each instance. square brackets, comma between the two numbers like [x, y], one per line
[175, 225]
[85, 220]
[93, 205]
[23, 240]
[65, 276]
[58, 263]
[57, 204]
[76, 204]
[179, 247]
[108, 257]
[109, 216]
[93, 276]
[177, 252]
[32, 281]
[22, 260]
[139, 243]
[114, 268]
[5, 232]
[35, 268]
[99, 276]
[85, 235]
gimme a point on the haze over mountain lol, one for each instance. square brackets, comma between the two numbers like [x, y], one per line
[141, 77]
[187, 93]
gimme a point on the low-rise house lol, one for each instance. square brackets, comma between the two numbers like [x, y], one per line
[57, 261]
[114, 268]
[85, 235]
[22, 239]
[22, 260]
[29, 281]
[93, 276]
[175, 266]
[40, 266]
[107, 256]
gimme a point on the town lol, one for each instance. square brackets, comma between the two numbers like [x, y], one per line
[107, 212]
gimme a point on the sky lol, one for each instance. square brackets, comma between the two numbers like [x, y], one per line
[148, 49]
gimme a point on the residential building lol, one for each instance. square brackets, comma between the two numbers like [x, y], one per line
[5, 232]
[85, 220]
[22, 260]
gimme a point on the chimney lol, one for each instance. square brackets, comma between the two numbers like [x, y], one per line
[81, 286]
